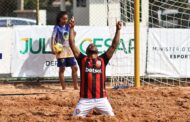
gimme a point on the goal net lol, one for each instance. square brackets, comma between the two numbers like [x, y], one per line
[165, 42]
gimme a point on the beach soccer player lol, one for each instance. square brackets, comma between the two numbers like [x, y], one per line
[92, 74]
[60, 47]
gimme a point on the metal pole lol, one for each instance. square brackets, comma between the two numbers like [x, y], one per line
[37, 11]
[62, 5]
[137, 42]
[20, 5]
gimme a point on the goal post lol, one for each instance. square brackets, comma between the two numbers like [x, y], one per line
[154, 47]
[137, 42]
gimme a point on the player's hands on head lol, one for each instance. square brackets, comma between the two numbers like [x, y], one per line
[72, 23]
[119, 25]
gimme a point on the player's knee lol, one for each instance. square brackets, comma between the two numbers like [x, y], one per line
[61, 70]
[74, 69]
[110, 113]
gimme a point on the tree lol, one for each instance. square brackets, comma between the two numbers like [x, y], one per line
[31, 4]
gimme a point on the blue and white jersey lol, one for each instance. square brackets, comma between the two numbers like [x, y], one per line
[61, 35]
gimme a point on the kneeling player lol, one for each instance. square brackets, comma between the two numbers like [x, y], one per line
[92, 74]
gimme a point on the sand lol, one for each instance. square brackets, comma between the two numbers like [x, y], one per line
[47, 103]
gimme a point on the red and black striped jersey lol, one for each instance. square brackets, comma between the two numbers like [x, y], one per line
[92, 74]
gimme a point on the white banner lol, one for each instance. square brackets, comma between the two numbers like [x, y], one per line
[6, 37]
[32, 55]
[169, 53]
[122, 63]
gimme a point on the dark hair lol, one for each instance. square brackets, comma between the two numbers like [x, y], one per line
[59, 15]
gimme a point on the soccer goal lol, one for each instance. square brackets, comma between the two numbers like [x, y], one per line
[158, 52]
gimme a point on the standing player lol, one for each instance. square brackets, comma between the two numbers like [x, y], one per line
[65, 58]
[92, 73]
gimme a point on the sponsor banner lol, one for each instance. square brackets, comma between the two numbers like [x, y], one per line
[6, 38]
[32, 54]
[169, 53]
[122, 63]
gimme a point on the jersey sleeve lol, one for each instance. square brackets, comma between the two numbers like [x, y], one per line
[105, 57]
[79, 59]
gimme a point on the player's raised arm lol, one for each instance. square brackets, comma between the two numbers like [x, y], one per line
[115, 41]
[72, 34]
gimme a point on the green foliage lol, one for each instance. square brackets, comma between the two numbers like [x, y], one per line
[31, 4]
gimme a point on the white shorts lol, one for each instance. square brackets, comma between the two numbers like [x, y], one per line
[85, 105]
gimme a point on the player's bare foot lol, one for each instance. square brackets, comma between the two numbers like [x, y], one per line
[76, 88]
[63, 87]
